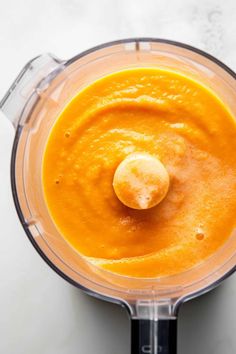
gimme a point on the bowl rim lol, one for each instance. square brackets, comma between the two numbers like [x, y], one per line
[14, 182]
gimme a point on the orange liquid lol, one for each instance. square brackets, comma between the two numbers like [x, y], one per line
[166, 115]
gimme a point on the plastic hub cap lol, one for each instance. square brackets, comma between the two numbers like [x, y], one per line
[141, 181]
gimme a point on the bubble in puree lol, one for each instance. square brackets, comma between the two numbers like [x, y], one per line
[139, 172]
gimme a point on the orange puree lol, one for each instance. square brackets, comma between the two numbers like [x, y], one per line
[170, 118]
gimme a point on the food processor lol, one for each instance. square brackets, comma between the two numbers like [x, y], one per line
[33, 103]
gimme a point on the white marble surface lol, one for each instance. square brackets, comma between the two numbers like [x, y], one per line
[40, 312]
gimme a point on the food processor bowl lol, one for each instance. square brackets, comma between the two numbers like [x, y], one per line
[33, 103]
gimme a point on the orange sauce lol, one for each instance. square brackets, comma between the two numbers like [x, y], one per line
[148, 111]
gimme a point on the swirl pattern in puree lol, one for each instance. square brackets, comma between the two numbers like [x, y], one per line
[168, 116]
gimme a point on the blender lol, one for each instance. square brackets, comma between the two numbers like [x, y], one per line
[33, 103]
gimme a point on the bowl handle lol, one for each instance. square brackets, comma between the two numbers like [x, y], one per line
[154, 329]
[34, 78]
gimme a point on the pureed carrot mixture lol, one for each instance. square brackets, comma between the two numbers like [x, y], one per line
[143, 112]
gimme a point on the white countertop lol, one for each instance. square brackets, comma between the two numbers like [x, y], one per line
[40, 312]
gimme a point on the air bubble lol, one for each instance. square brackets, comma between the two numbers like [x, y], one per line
[200, 234]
